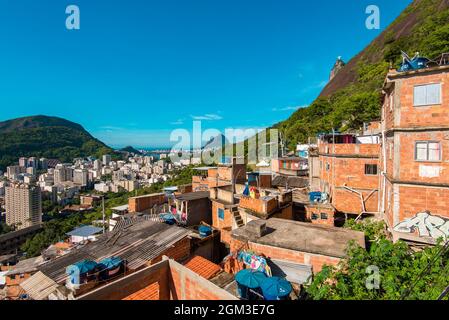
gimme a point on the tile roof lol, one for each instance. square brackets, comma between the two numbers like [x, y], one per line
[149, 293]
[203, 267]
[197, 264]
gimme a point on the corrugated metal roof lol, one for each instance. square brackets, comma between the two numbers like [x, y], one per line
[39, 286]
[136, 243]
[85, 231]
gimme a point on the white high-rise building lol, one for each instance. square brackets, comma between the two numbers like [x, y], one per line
[97, 164]
[107, 159]
[23, 205]
[12, 172]
[63, 173]
[81, 177]
[23, 162]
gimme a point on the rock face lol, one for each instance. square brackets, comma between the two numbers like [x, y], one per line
[339, 64]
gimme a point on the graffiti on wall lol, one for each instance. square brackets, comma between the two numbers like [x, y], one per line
[426, 225]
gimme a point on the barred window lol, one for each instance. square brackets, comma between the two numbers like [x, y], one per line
[371, 169]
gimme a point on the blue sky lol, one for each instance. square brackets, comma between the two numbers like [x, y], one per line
[138, 69]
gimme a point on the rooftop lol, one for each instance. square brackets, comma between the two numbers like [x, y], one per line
[203, 267]
[136, 243]
[305, 237]
[121, 208]
[85, 231]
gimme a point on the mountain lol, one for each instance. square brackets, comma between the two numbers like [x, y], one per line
[130, 149]
[49, 137]
[216, 142]
[353, 96]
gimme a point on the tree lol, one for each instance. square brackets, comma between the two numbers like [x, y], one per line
[402, 272]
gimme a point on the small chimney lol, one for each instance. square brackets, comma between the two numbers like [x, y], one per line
[257, 228]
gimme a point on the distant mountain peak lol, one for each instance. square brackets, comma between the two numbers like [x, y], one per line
[46, 136]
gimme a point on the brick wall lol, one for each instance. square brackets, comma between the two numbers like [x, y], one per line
[411, 116]
[228, 218]
[318, 211]
[422, 171]
[178, 252]
[258, 205]
[187, 285]
[350, 202]
[410, 200]
[286, 213]
[143, 203]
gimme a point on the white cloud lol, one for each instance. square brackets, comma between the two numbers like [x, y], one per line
[207, 117]
[289, 108]
[178, 122]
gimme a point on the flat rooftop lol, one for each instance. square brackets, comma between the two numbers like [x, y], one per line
[305, 237]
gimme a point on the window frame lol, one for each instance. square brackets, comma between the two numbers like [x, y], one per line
[325, 215]
[371, 165]
[428, 104]
[218, 214]
[428, 149]
[315, 217]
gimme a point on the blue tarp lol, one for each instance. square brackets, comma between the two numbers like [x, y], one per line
[413, 64]
[275, 288]
[82, 267]
[250, 279]
[168, 218]
[111, 263]
[246, 191]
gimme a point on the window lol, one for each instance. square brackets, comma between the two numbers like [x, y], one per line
[220, 213]
[371, 169]
[314, 216]
[427, 151]
[323, 216]
[427, 95]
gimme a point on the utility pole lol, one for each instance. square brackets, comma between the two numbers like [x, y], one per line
[102, 203]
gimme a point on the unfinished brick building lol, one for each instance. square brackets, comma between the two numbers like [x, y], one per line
[415, 153]
[348, 174]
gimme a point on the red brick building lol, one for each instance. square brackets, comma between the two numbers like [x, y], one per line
[415, 153]
[349, 172]
[222, 175]
[146, 202]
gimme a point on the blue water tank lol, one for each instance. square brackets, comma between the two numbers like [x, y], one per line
[205, 231]
[314, 196]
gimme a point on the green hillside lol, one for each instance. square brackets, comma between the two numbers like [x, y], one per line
[354, 95]
[48, 137]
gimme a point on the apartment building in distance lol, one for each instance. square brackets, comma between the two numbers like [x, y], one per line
[415, 153]
[23, 205]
